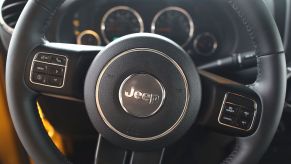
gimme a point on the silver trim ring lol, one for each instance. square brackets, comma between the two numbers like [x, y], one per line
[181, 10]
[185, 108]
[88, 32]
[214, 47]
[134, 12]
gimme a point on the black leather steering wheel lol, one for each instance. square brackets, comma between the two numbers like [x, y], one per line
[132, 101]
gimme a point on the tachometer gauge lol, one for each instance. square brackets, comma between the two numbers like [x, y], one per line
[174, 23]
[120, 21]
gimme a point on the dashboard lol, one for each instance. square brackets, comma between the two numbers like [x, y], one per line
[203, 31]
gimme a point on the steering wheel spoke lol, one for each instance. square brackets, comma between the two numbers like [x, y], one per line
[229, 107]
[59, 70]
[106, 152]
[153, 157]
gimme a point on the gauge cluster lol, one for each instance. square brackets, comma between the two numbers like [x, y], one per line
[201, 33]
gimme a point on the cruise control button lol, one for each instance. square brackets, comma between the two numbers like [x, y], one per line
[40, 67]
[230, 109]
[59, 60]
[39, 78]
[55, 81]
[56, 70]
[244, 123]
[227, 120]
[43, 57]
[246, 114]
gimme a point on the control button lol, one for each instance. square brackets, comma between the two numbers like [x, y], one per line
[246, 114]
[59, 60]
[230, 109]
[40, 67]
[55, 81]
[39, 78]
[43, 57]
[56, 70]
[244, 123]
[229, 120]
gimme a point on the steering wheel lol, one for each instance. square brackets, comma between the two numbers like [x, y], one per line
[142, 91]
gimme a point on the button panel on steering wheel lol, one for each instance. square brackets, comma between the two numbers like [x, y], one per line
[48, 70]
[238, 112]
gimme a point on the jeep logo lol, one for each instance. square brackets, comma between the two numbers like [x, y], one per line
[141, 95]
[148, 97]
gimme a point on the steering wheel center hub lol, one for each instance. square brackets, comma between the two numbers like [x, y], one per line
[141, 95]
[142, 91]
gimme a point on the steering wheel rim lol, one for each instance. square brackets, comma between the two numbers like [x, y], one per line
[29, 33]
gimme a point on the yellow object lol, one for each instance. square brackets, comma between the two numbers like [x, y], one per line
[56, 137]
[76, 23]
[9, 152]
[77, 32]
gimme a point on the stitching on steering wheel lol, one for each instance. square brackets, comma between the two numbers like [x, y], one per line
[250, 31]
[229, 159]
[50, 12]
[246, 23]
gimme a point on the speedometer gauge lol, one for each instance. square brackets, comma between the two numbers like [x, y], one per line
[120, 21]
[174, 23]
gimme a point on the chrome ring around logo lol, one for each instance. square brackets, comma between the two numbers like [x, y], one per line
[141, 95]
